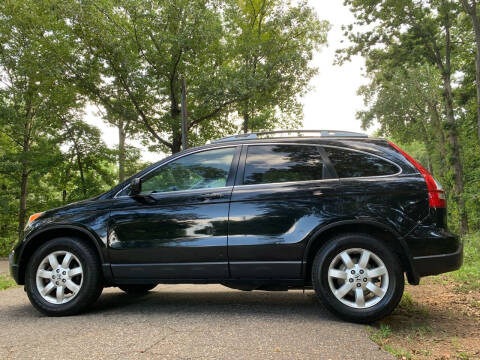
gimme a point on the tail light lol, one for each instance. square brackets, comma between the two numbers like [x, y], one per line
[436, 194]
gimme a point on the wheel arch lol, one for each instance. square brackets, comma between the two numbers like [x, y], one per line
[42, 236]
[381, 231]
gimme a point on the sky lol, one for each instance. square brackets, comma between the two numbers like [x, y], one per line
[333, 100]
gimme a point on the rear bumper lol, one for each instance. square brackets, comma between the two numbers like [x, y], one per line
[438, 264]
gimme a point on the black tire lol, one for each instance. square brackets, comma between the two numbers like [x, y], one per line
[320, 282]
[92, 283]
[137, 289]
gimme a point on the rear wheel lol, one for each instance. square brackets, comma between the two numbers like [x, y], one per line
[358, 278]
[137, 289]
[63, 277]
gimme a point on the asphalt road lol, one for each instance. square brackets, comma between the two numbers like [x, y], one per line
[184, 322]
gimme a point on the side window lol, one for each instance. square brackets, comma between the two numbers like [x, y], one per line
[356, 164]
[282, 163]
[206, 169]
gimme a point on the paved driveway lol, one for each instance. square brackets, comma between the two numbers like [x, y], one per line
[184, 322]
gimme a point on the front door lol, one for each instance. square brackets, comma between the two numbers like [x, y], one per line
[177, 228]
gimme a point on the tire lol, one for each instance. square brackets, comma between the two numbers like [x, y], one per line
[137, 289]
[330, 283]
[87, 283]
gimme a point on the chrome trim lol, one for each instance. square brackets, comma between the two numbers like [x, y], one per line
[176, 158]
[285, 183]
[223, 188]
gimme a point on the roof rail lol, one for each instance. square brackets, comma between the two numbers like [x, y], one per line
[321, 133]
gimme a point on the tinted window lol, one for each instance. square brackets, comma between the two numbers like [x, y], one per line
[281, 163]
[206, 169]
[356, 164]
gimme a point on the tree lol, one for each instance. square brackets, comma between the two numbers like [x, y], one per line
[87, 160]
[144, 48]
[32, 99]
[409, 33]
[271, 45]
[406, 103]
[470, 8]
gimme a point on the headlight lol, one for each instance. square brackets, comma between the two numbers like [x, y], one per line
[32, 218]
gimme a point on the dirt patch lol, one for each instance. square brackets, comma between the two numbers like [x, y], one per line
[435, 320]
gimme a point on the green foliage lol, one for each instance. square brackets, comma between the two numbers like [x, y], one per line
[232, 54]
[381, 334]
[128, 57]
[398, 352]
[468, 276]
[6, 282]
[421, 94]
[271, 44]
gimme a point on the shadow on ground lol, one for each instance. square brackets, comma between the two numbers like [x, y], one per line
[293, 304]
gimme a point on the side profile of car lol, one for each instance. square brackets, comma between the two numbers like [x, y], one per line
[338, 212]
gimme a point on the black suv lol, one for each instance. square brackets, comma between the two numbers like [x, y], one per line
[337, 211]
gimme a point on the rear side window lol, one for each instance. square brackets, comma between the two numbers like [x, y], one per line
[356, 164]
[282, 163]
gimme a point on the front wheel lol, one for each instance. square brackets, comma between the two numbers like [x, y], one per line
[63, 277]
[358, 278]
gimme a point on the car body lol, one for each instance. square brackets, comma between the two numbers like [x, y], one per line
[260, 220]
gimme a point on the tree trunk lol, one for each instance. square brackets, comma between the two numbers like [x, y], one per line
[121, 150]
[455, 153]
[22, 213]
[184, 116]
[442, 144]
[476, 26]
[454, 158]
[428, 145]
[246, 118]
[82, 176]
[23, 202]
[176, 142]
[472, 11]
[175, 113]
[80, 168]
[79, 159]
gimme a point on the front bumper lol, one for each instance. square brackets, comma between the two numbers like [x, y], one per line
[438, 264]
[14, 268]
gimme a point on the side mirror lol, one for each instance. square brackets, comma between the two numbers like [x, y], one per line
[135, 187]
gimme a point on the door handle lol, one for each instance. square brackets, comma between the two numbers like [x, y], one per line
[317, 193]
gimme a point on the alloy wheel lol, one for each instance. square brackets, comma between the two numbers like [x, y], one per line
[358, 278]
[59, 277]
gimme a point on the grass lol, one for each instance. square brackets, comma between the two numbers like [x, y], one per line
[6, 282]
[407, 304]
[468, 276]
[381, 335]
[399, 353]
[416, 326]
[386, 336]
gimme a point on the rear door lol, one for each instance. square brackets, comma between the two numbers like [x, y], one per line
[374, 188]
[282, 193]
